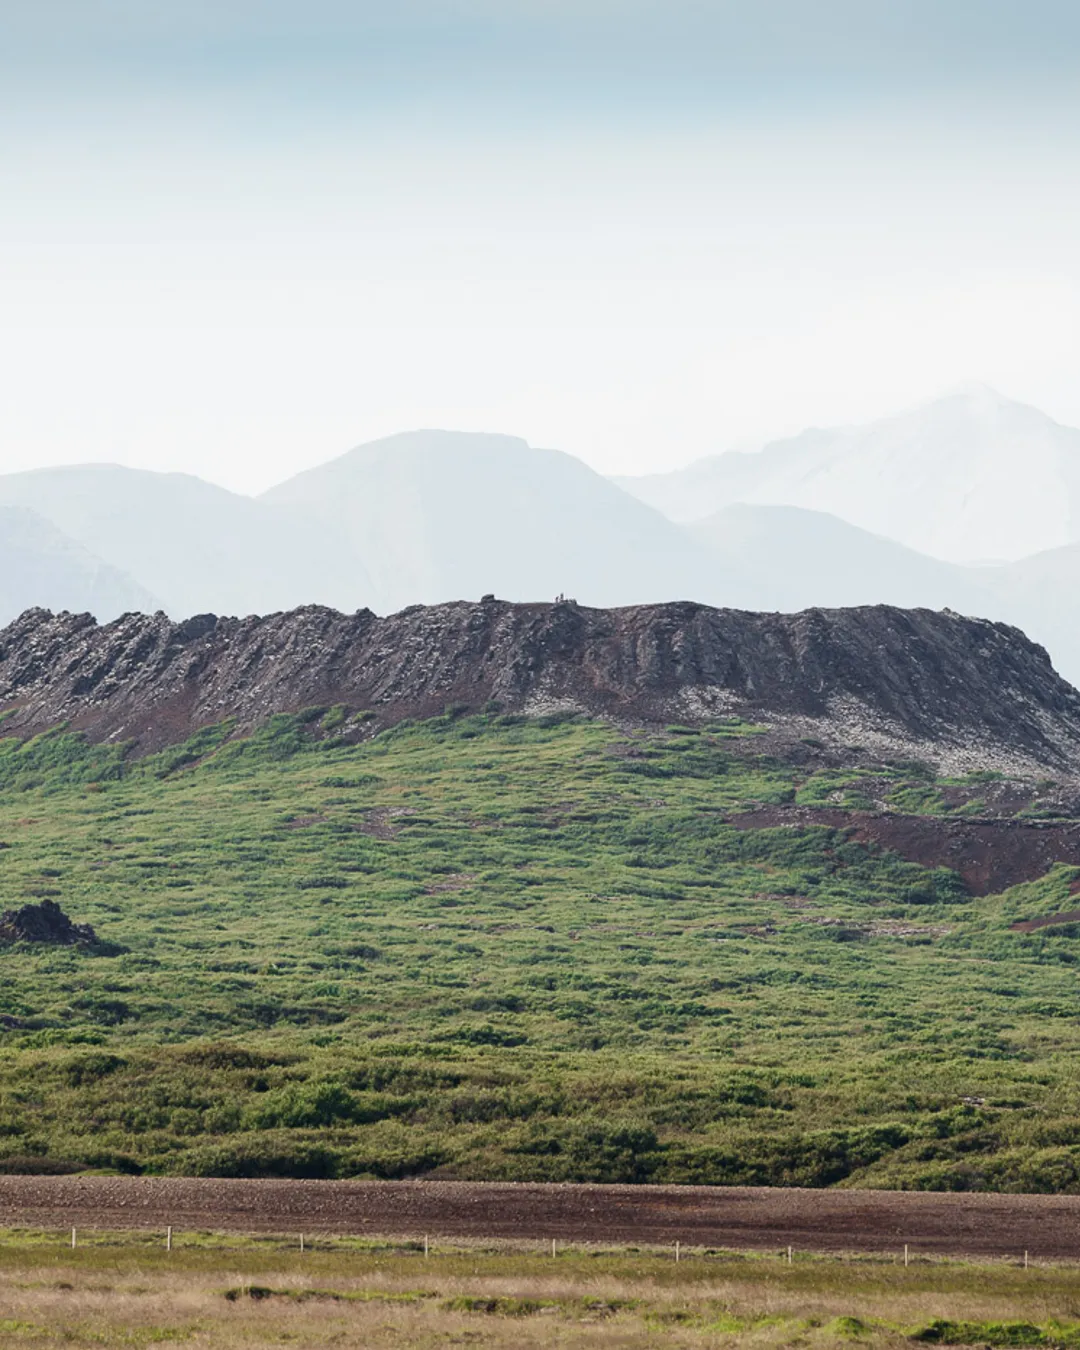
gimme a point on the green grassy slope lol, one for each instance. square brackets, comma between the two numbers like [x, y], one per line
[491, 948]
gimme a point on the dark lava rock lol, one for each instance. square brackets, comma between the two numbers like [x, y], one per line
[910, 678]
[45, 923]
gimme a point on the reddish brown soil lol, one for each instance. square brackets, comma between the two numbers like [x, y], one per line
[735, 1217]
[1047, 921]
[990, 855]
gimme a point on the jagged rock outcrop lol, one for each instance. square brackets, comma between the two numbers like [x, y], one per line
[44, 923]
[870, 676]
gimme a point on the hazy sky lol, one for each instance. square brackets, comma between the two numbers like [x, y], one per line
[239, 236]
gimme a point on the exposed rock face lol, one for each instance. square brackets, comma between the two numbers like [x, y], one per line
[45, 923]
[912, 679]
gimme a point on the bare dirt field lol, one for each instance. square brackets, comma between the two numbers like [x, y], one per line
[1047, 1227]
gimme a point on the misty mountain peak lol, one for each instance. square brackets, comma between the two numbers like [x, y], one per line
[969, 476]
[433, 441]
[444, 515]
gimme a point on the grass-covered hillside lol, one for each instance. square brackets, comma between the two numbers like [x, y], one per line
[487, 947]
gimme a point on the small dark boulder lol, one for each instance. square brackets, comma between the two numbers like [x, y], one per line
[45, 923]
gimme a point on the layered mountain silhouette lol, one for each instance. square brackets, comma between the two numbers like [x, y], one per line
[429, 517]
[418, 518]
[195, 546]
[438, 515]
[801, 558]
[970, 477]
[40, 565]
[1041, 594]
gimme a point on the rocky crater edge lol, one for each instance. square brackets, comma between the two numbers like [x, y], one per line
[966, 692]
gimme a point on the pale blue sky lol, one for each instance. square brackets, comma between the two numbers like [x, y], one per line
[719, 57]
[239, 237]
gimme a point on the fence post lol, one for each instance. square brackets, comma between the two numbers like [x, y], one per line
[168, 1239]
[73, 1239]
[905, 1254]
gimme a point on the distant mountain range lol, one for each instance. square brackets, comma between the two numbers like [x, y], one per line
[971, 477]
[801, 558]
[894, 513]
[438, 515]
[194, 546]
[42, 566]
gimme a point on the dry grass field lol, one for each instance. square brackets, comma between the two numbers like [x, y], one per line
[233, 1292]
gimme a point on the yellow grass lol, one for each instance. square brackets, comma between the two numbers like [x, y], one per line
[228, 1293]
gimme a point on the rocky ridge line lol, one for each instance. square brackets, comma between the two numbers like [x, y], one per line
[920, 680]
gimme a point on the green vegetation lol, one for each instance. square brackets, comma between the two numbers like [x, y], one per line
[492, 947]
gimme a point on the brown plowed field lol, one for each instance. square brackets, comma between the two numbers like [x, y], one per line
[731, 1217]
